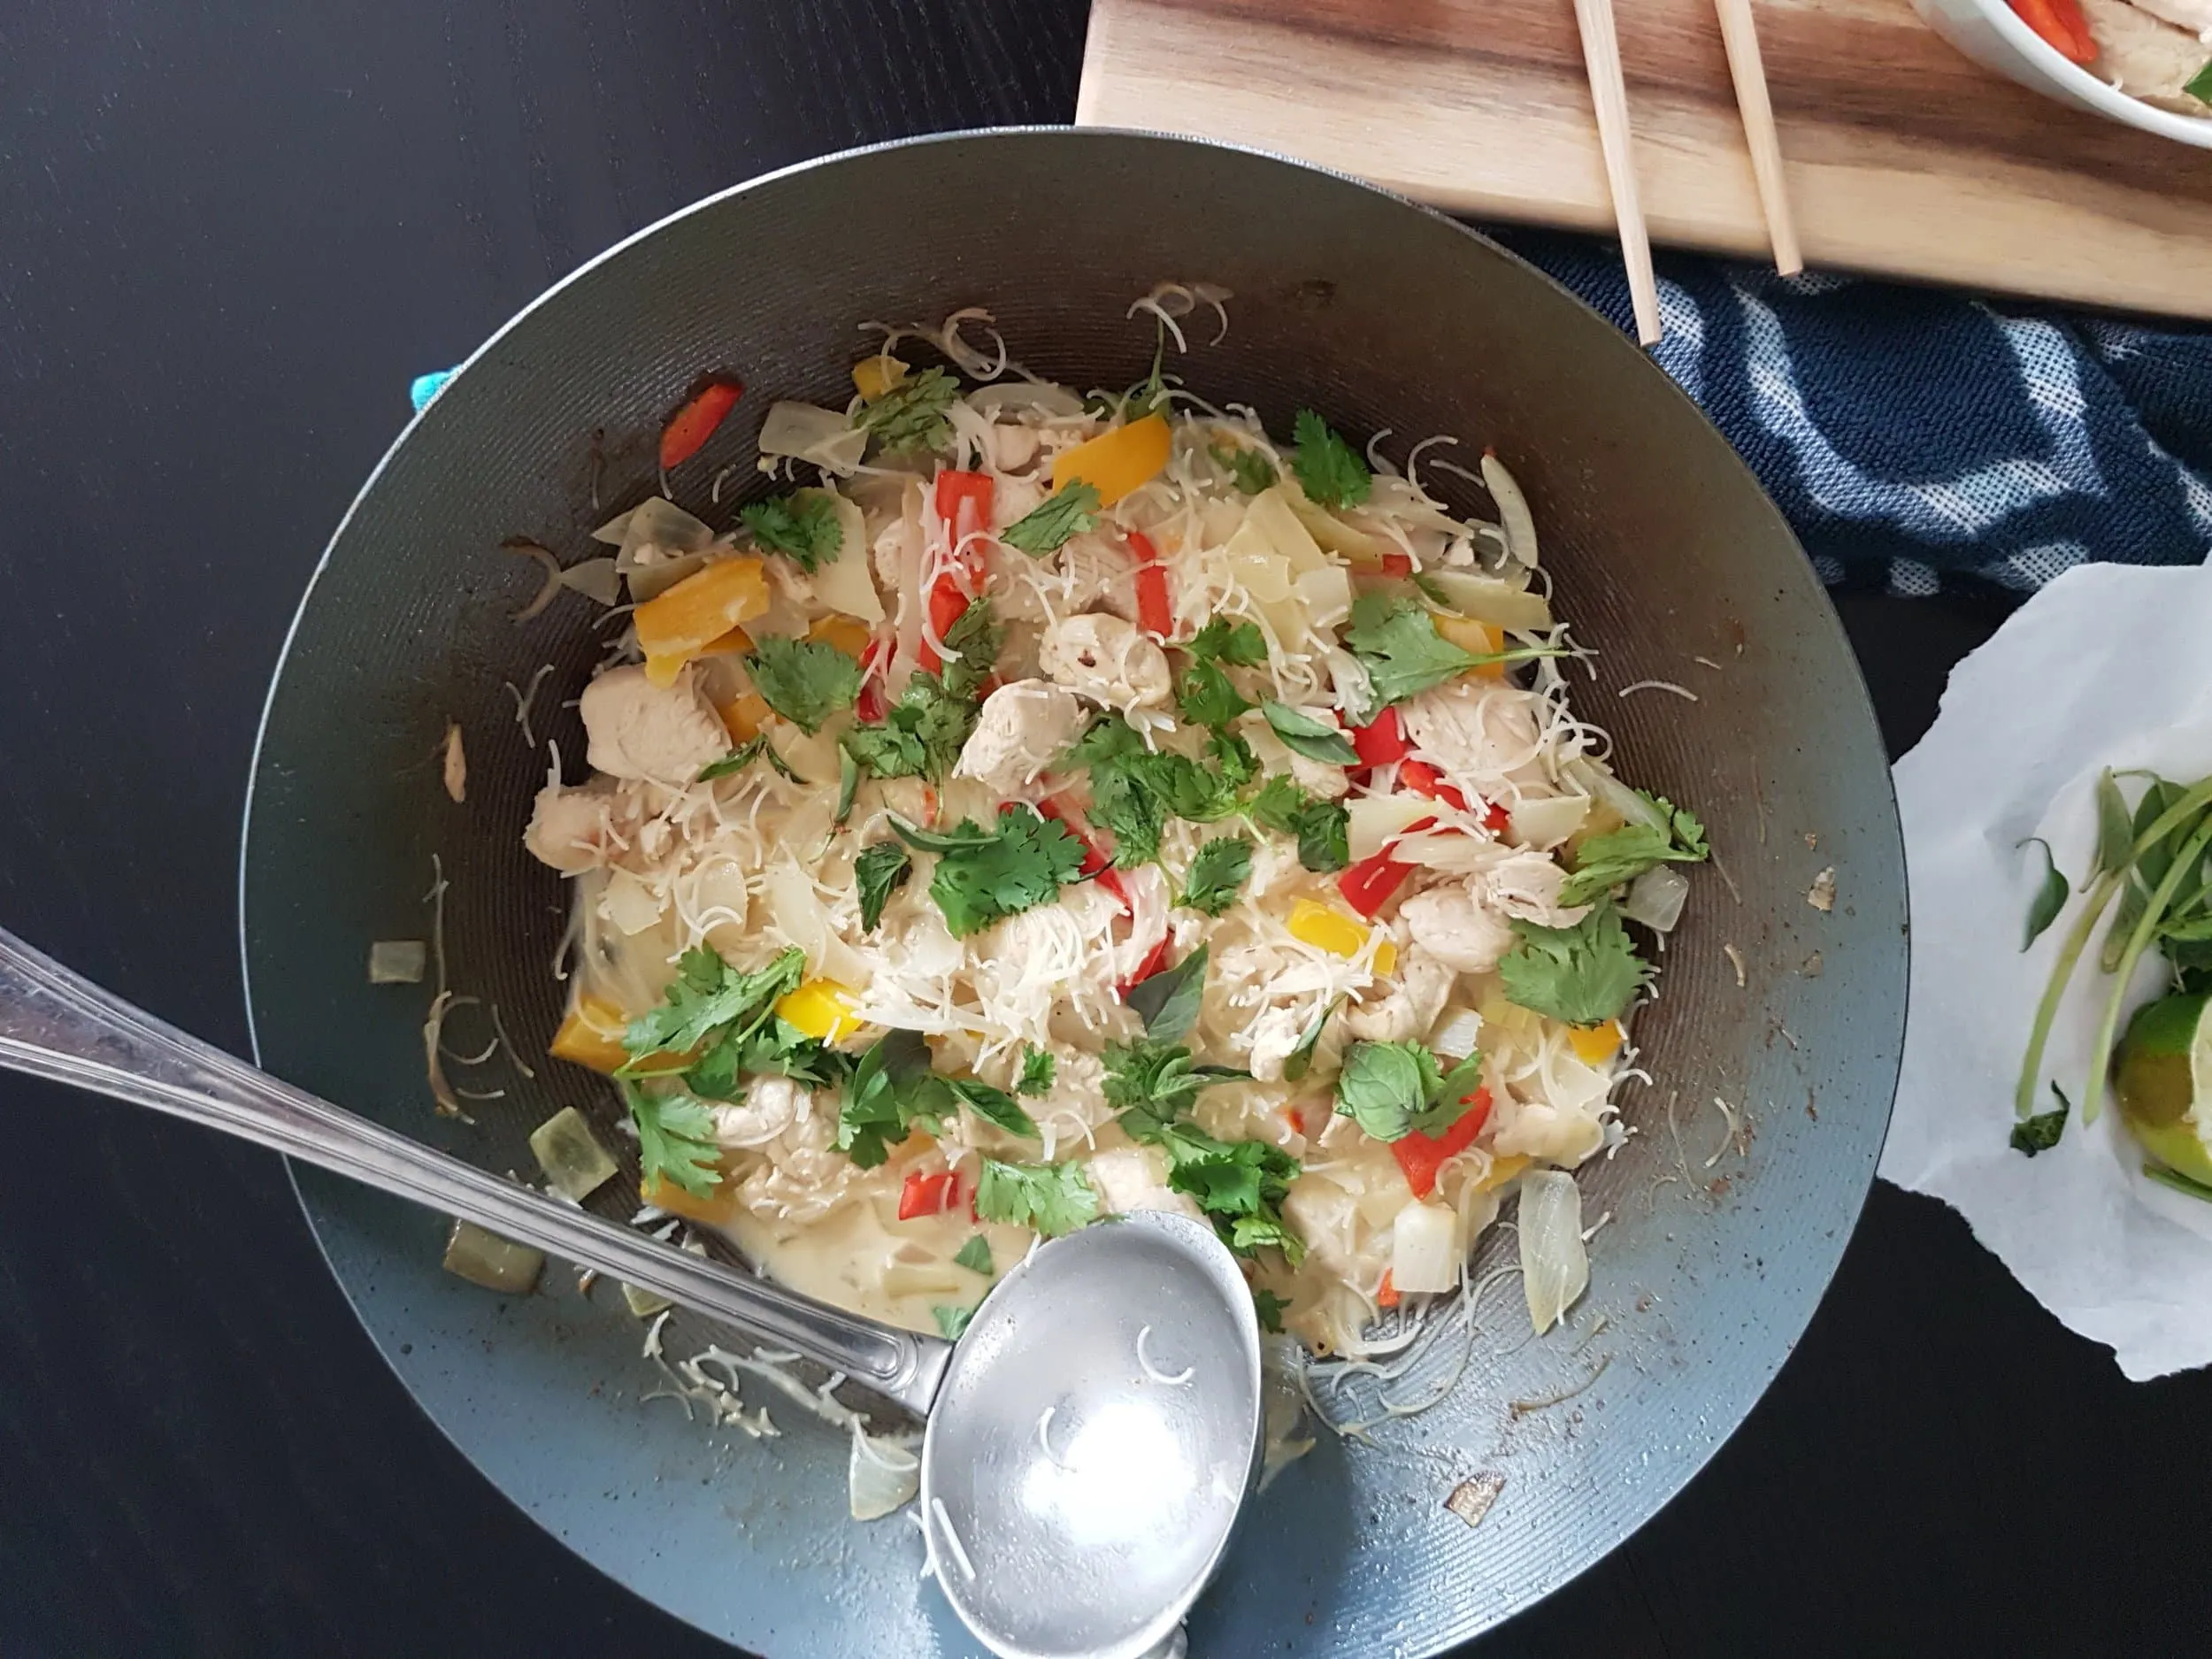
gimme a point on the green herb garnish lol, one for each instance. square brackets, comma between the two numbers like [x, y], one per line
[1038, 1070]
[1270, 1308]
[952, 1323]
[1322, 828]
[921, 735]
[1303, 734]
[2198, 85]
[983, 875]
[911, 414]
[1135, 792]
[1205, 696]
[1583, 975]
[1394, 1089]
[675, 1139]
[1053, 1198]
[755, 748]
[802, 527]
[804, 681]
[1217, 873]
[1299, 1061]
[1250, 470]
[1047, 525]
[975, 1255]
[1332, 472]
[890, 1091]
[992, 1105]
[880, 870]
[1168, 1002]
[2041, 1133]
[1604, 862]
[1240, 645]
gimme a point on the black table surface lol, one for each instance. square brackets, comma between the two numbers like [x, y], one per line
[229, 235]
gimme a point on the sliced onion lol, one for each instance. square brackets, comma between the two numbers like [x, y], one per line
[880, 1477]
[1496, 600]
[1624, 802]
[810, 433]
[1655, 898]
[1544, 821]
[596, 580]
[1459, 1036]
[658, 522]
[1424, 1253]
[1555, 1265]
[1520, 524]
[1375, 821]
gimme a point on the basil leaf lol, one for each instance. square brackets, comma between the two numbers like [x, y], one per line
[1168, 1002]
[1303, 734]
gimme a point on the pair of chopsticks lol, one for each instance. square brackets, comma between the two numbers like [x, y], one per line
[1601, 52]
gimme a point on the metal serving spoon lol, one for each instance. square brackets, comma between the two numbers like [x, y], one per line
[1090, 1438]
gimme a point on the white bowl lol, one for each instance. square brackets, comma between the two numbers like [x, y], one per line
[1988, 32]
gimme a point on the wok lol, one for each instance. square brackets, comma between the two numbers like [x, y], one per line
[1663, 551]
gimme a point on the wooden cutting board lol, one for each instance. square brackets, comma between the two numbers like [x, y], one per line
[1904, 158]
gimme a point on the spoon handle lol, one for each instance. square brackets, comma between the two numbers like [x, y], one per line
[56, 1024]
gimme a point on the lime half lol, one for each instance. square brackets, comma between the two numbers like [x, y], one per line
[2164, 1082]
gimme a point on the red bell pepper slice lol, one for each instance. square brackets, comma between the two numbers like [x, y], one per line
[1422, 779]
[871, 705]
[1420, 1156]
[1397, 565]
[1495, 819]
[1382, 740]
[690, 427]
[1153, 615]
[947, 605]
[1155, 959]
[2061, 25]
[1387, 1294]
[964, 501]
[928, 1194]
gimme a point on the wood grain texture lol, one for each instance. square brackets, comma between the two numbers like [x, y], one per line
[1902, 157]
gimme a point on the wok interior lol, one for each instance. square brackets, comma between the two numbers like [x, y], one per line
[1662, 550]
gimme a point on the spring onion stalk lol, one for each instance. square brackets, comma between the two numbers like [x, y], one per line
[2146, 928]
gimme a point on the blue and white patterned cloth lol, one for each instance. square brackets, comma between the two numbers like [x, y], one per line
[1917, 437]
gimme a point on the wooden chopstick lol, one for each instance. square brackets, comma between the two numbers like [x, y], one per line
[1601, 52]
[1749, 70]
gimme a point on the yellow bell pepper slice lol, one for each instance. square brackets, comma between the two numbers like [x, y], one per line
[696, 614]
[743, 715]
[1594, 1045]
[874, 376]
[1501, 1171]
[1478, 639]
[822, 1008]
[848, 634]
[718, 1209]
[1116, 462]
[1325, 929]
[591, 1036]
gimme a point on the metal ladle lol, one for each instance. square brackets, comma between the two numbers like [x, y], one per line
[1090, 1437]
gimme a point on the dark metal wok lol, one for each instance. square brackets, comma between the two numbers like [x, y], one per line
[1663, 551]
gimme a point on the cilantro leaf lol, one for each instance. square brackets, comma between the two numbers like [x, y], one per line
[889, 1091]
[1331, 470]
[911, 414]
[804, 681]
[774, 1045]
[2041, 1133]
[972, 647]
[1134, 792]
[1270, 1308]
[675, 1139]
[975, 1255]
[1239, 1185]
[1217, 873]
[1240, 645]
[1168, 1001]
[1323, 828]
[1583, 975]
[1303, 734]
[1053, 1198]
[802, 526]
[994, 1105]
[983, 875]
[707, 996]
[1604, 862]
[1238, 765]
[1151, 1083]
[1393, 1090]
[1204, 695]
[1397, 643]
[1047, 525]
[880, 870]
[1038, 1070]
[952, 1323]
[921, 735]
[1250, 470]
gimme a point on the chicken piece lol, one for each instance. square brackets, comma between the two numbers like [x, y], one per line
[1274, 1035]
[1466, 923]
[579, 829]
[1021, 729]
[1424, 985]
[770, 1107]
[1326, 1217]
[1013, 446]
[2144, 56]
[804, 1177]
[2193, 15]
[637, 730]
[1479, 733]
[1108, 660]
[1098, 576]
[1539, 1129]
[1135, 1178]
[1455, 925]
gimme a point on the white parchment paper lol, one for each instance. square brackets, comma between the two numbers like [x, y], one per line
[2109, 666]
